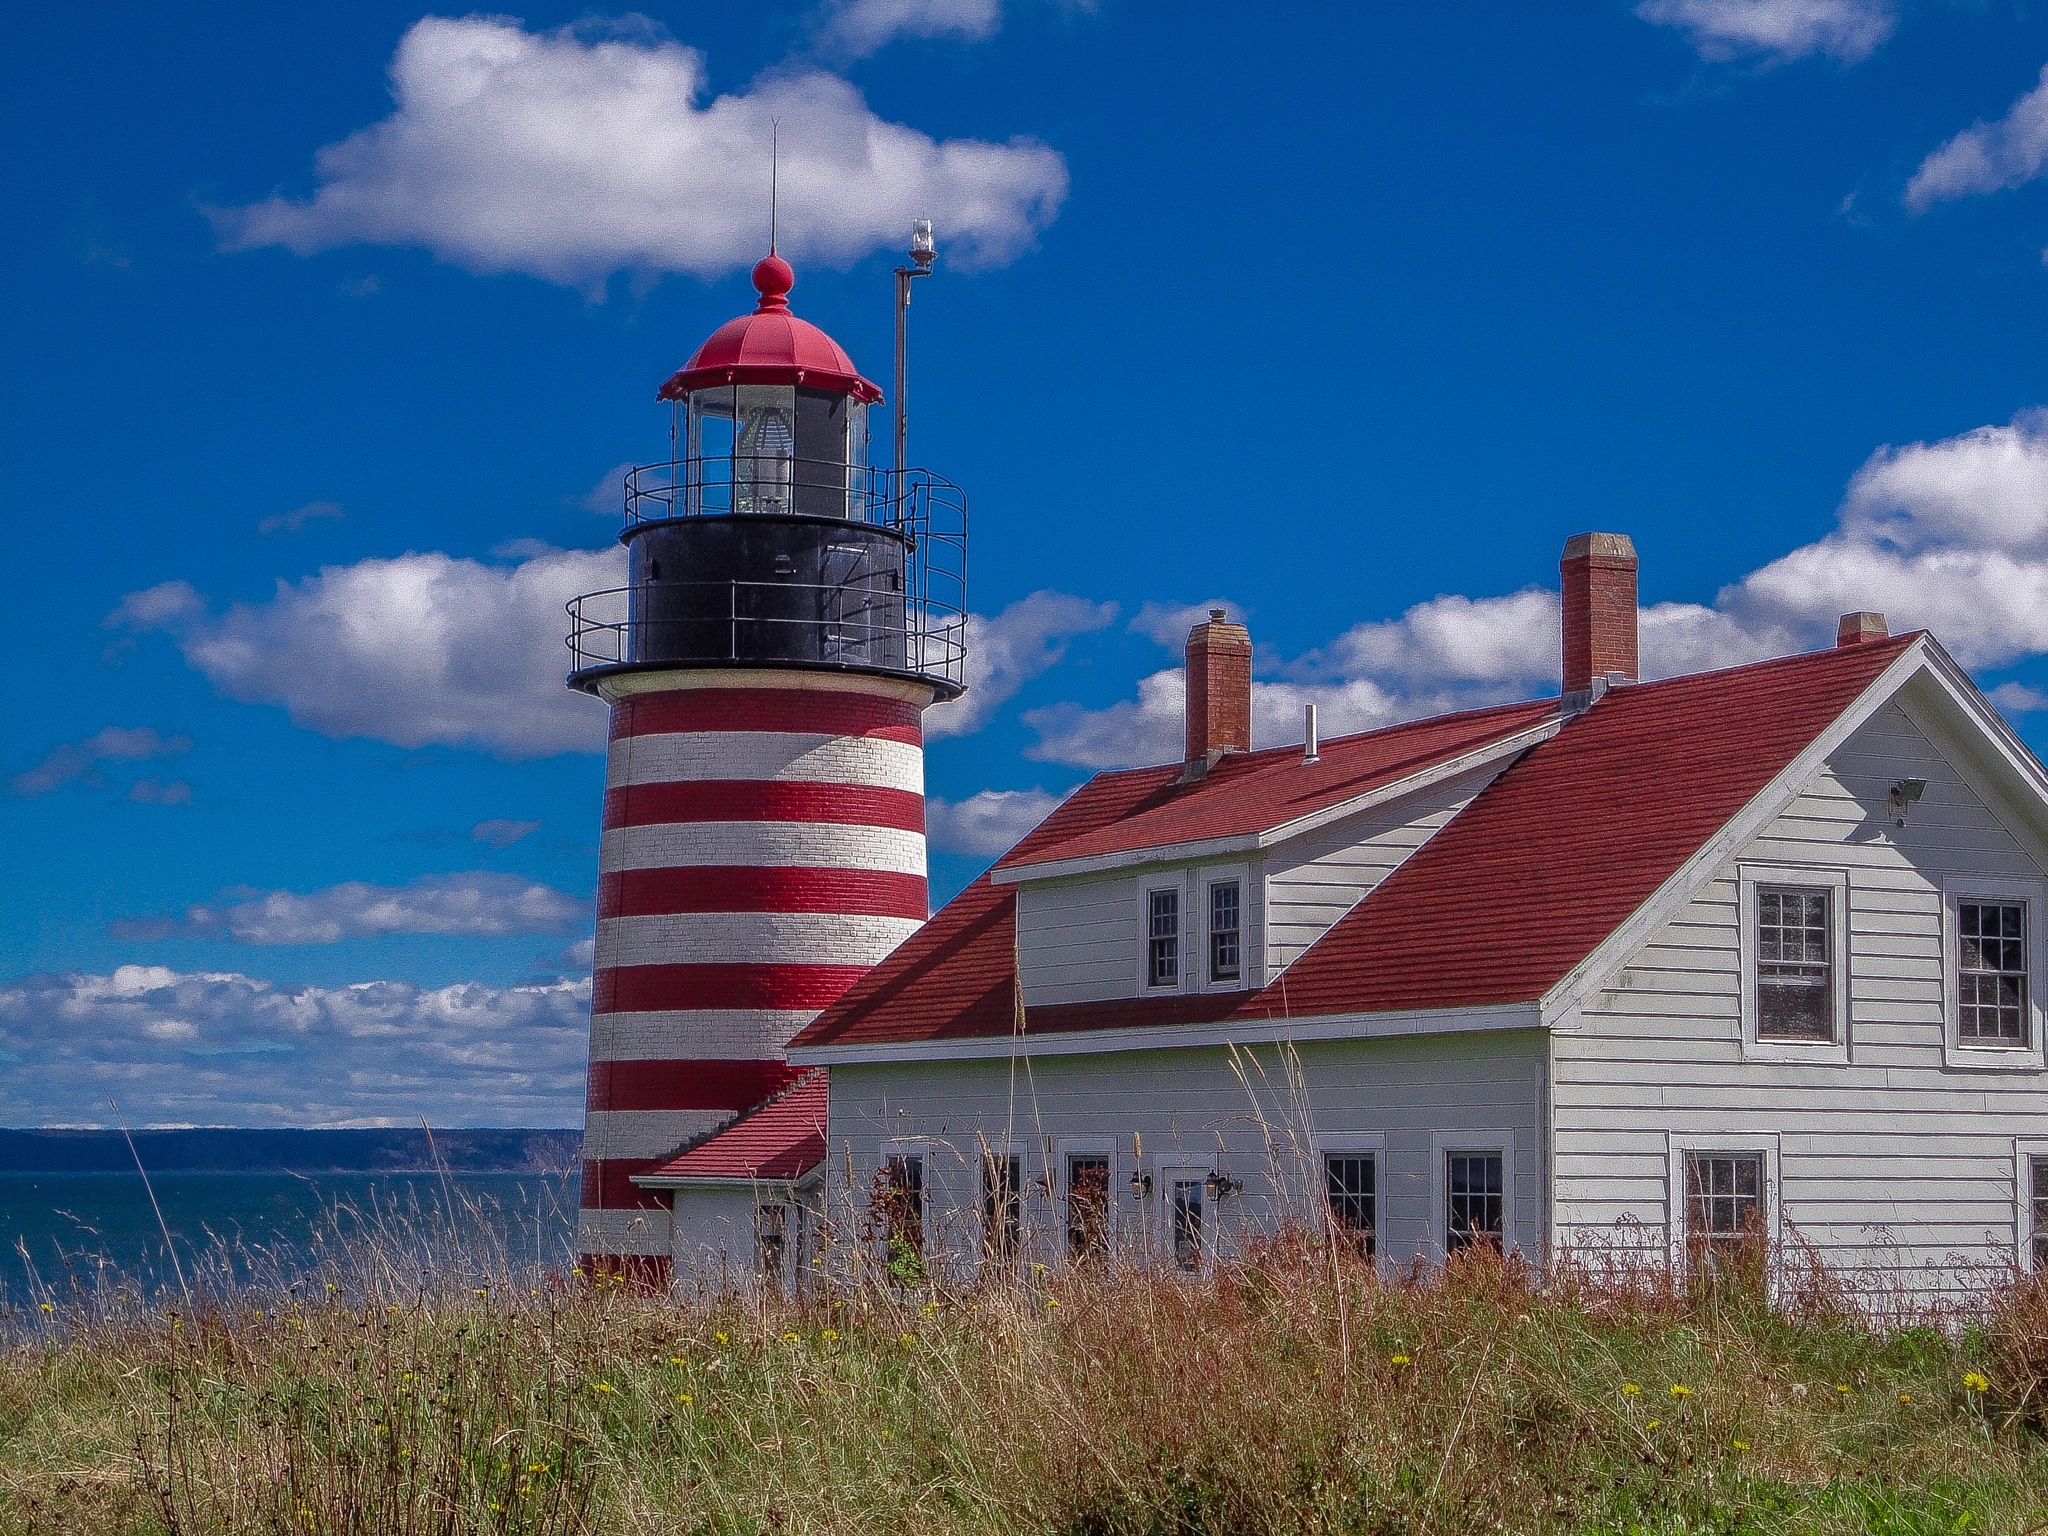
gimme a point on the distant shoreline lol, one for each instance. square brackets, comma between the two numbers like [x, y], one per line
[228, 1150]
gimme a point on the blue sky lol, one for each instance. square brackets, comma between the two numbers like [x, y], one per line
[326, 330]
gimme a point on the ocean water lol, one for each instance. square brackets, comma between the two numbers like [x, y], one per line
[61, 1230]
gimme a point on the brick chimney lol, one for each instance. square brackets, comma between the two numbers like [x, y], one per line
[1599, 572]
[1861, 629]
[1219, 692]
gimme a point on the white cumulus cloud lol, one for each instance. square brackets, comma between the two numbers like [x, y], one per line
[857, 29]
[1777, 30]
[79, 759]
[1949, 536]
[417, 650]
[477, 904]
[1007, 651]
[989, 823]
[223, 1048]
[1987, 157]
[585, 151]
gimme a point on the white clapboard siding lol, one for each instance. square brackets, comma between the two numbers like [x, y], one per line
[1890, 1160]
[1313, 880]
[1077, 940]
[1193, 1104]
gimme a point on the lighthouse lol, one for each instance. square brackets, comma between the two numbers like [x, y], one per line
[790, 612]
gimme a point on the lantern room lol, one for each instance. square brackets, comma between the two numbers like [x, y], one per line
[768, 538]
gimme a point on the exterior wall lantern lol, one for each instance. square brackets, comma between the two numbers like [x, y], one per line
[1904, 794]
[1218, 1185]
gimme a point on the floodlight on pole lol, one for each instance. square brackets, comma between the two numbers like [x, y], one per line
[922, 254]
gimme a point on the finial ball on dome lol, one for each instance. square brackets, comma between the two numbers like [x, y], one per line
[773, 277]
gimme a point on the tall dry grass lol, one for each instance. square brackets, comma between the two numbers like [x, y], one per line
[416, 1379]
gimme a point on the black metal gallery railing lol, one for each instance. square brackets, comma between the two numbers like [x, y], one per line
[719, 578]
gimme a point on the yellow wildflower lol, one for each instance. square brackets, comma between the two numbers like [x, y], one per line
[675, 1359]
[828, 1335]
[723, 1339]
[1905, 1397]
[1629, 1389]
[1742, 1445]
[1653, 1423]
[1679, 1389]
[1397, 1359]
[1843, 1387]
[537, 1466]
[1973, 1382]
[602, 1386]
[906, 1340]
[48, 1308]
[684, 1397]
[1052, 1301]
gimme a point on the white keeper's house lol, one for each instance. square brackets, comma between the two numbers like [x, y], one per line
[1650, 964]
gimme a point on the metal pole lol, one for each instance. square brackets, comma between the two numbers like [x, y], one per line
[903, 276]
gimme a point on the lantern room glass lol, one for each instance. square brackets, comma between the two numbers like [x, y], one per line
[774, 448]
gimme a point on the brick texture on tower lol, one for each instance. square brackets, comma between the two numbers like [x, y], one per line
[1219, 658]
[763, 847]
[1599, 571]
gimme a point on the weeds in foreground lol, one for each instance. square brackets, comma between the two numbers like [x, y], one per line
[398, 1391]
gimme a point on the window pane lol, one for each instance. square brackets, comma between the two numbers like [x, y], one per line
[2040, 1192]
[1187, 1223]
[1991, 972]
[1224, 931]
[1473, 1181]
[1795, 997]
[1348, 1183]
[1724, 1210]
[1087, 1205]
[901, 1197]
[1163, 938]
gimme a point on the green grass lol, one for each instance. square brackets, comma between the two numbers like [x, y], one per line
[1282, 1396]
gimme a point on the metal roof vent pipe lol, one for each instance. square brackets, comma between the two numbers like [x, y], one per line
[1219, 658]
[1309, 741]
[1599, 571]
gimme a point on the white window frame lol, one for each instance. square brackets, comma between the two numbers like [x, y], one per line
[1677, 1144]
[1371, 1144]
[2025, 1152]
[1756, 1047]
[1994, 1058]
[1219, 874]
[1441, 1145]
[1083, 1146]
[1163, 1167]
[1180, 881]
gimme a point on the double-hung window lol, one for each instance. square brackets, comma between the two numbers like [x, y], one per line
[1226, 930]
[1162, 937]
[1991, 973]
[1349, 1187]
[1795, 971]
[1475, 1193]
[900, 1193]
[2036, 1195]
[1087, 1205]
[1724, 1210]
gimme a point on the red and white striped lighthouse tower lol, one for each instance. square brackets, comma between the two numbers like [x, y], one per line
[790, 613]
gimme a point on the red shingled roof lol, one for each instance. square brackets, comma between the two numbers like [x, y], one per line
[1549, 860]
[780, 1140]
[1250, 792]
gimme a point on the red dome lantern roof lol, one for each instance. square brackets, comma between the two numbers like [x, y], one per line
[771, 346]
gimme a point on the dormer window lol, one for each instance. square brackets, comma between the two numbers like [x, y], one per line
[1226, 922]
[1162, 938]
